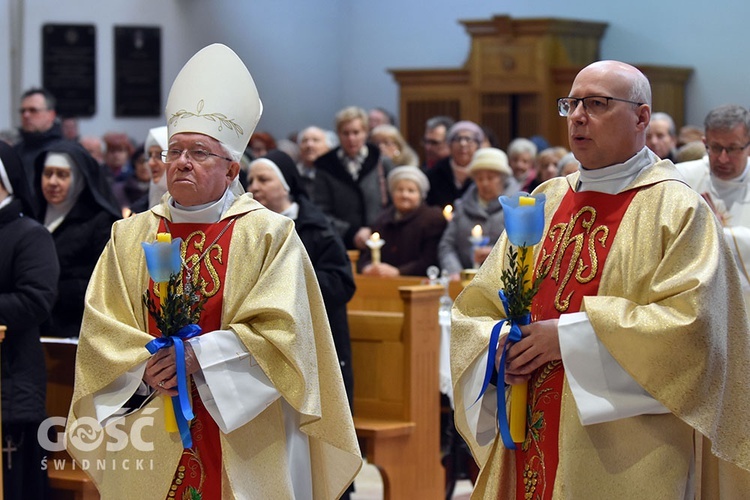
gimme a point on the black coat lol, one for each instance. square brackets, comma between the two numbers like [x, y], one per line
[351, 204]
[443, 190]
[79, 239]
[334, 272]
[28, 283]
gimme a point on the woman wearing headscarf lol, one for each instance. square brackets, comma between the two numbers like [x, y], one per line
[275, 182]
[156, 142]
[77, 206]
[480, 205]
[28, 283]
[410, 228]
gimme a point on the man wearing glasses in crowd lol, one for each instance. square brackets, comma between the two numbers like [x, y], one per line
[637, 352]
[39, 127]
[721, 178]
[434, 141]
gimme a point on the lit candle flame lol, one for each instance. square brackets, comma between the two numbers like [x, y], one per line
[448, 213]
[476, 231]
[375, 237]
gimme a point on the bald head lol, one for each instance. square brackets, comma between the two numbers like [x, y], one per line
[615, 130]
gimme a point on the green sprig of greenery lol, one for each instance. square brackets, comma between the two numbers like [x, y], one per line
[177, 309]
[515, 284]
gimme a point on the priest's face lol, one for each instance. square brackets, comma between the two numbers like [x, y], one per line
[612, 133]
[192, 182]
[728, 151]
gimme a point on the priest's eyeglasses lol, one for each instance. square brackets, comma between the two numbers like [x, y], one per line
[717, 149]
[197, 155]
[593, 105]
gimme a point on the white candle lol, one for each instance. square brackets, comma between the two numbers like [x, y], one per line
[374, 243]
[448, 213]
[476, 231]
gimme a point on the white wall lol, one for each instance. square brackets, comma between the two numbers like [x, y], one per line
[310, 58]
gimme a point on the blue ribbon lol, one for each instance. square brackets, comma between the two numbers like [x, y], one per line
[181, 401]
[513, 336]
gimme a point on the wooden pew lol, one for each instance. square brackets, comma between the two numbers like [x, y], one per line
[395, 349]
[66, 482]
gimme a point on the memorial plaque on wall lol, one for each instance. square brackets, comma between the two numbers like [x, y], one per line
[69, 67]
[138, 71]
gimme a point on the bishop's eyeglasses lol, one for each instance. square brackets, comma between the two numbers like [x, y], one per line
[197, 155]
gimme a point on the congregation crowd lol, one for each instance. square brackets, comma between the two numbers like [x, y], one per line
[340, 186]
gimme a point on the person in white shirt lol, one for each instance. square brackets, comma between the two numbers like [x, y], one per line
[721, 177]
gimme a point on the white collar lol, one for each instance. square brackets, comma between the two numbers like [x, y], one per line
[292, 212]
[6, 201]
[208, 213]
[614, 178]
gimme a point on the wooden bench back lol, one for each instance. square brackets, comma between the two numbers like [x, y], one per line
[60, 358]
[395, 340]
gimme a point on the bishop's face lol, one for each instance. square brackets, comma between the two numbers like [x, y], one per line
[191, 182]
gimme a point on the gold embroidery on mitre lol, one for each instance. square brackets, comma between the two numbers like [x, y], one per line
[193, 263]
[564, 235]
[221, 119]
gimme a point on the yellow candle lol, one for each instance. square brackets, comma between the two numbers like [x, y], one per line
[448, 213]
[170, 423]
[519, 392]
[526, 201]
[476, 231]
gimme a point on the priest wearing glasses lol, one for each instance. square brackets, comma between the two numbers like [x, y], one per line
[637, 353]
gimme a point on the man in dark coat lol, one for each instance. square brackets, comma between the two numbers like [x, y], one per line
[39, 128]
[28, 283]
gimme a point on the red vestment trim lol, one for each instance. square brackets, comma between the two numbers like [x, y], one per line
[571, 260]
[200, 466]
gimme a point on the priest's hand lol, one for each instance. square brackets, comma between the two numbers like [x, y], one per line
[161, 369]
[540, 345]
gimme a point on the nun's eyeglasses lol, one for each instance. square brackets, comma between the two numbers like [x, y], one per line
[197, 155]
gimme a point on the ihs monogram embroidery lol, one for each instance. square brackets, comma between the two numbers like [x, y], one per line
[193, 263]
[581, 239]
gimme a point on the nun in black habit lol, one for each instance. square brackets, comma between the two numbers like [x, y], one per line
[77, 206]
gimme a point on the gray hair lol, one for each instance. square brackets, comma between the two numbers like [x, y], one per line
[231, 152]
[664, 117]
[641, 89]
[436, 121]
[521, 145]
[330, 137]
[727, 117]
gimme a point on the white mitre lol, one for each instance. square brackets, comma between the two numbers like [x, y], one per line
[215, 95]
